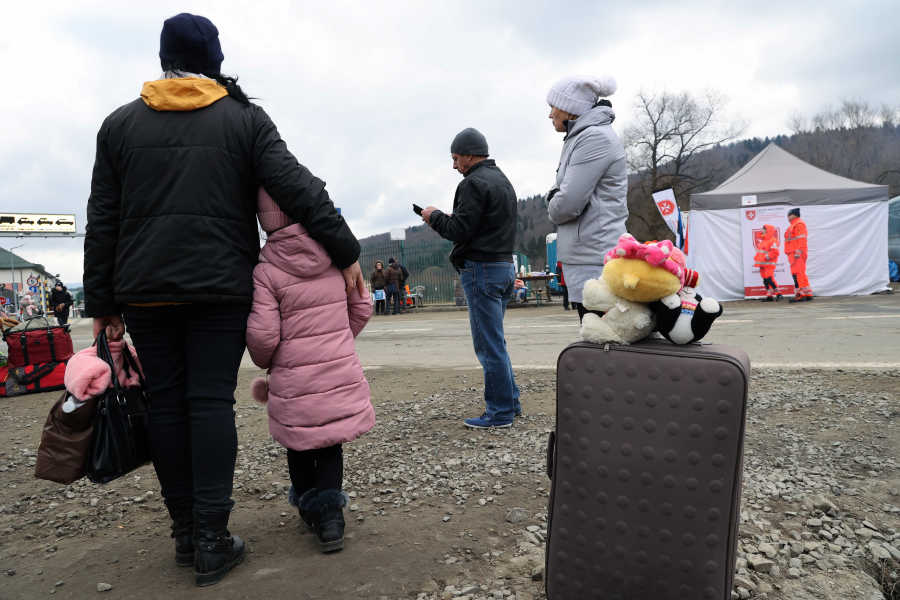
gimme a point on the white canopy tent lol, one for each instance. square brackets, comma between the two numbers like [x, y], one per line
[847, 222]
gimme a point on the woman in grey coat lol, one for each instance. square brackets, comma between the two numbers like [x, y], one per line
[589, 203]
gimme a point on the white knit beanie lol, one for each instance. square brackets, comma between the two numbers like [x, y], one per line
[577, 95]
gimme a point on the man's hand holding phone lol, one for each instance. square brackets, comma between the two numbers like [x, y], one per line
[425, 213]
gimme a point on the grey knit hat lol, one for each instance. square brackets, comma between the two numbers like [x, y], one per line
[578, 95]
[469, 141]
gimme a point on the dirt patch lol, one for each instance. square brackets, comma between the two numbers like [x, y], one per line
[431, 508]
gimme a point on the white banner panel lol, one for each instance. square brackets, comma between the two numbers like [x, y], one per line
[715, 253]
[25, 222]
[752, 221]
[847, 250]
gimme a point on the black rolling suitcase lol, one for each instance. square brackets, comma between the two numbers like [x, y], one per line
[646, 468]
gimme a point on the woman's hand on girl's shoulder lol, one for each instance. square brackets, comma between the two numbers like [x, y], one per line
[353, 278]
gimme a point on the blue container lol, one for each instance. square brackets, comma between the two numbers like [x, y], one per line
[551, 262]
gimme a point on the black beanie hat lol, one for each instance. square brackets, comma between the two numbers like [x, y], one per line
[469, 141]
[794, 211]
[190, 42]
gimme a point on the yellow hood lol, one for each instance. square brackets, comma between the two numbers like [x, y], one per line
[187, 93]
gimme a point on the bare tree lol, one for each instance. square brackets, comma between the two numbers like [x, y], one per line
[856, 140]
[851, 145]
[670, 130]
[826, 119]
[856, 114]
[797, 122]
[889, 115]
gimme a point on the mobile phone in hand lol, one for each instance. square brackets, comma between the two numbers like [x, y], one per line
[417, 209]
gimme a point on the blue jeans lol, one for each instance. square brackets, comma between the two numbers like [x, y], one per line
[488, 287]
[393, 297]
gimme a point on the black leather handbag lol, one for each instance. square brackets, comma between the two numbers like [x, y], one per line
[120, 440]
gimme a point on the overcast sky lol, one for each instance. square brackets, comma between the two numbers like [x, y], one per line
[368, 95]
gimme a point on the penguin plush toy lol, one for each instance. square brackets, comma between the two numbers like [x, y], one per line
[685, 317]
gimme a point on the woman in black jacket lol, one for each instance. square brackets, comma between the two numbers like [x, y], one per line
[171, 244]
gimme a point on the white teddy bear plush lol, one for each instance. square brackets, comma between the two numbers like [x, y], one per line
[623, 321]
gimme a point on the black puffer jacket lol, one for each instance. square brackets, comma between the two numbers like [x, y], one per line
[172, 211]
[58, 297]
[483, 223]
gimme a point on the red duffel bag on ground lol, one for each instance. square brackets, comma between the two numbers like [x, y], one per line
[35, 341]
[32, 379]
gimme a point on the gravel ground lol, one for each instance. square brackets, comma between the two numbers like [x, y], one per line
[441, 512]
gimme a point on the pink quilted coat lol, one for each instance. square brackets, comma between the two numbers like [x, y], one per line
[302, 329]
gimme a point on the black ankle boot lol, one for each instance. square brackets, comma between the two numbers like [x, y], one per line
[306, 506]
[329, 527]
[183, 532]
[218, 551]
[308, 509]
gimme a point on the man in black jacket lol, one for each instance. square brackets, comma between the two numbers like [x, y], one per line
[61, 301]
[171, 242]
[483, 229]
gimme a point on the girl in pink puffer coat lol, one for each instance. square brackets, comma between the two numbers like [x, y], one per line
[302, 329]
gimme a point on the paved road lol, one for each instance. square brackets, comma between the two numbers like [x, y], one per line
[830, 332]
[862, 332]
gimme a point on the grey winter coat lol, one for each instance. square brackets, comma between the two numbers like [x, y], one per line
[589, 205]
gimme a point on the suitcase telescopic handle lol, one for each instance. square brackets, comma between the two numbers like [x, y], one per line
[551, 452]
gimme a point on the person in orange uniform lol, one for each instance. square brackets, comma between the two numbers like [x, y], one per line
[795, 247]
[766, 259]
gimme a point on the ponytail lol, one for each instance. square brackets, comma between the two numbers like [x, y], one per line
[229, 83]
[231, 86]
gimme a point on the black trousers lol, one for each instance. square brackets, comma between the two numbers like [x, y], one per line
[320, 468]
[565, 291]
[190, 355]
[62, 316]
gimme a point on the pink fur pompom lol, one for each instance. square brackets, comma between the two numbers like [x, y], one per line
[259, 390]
